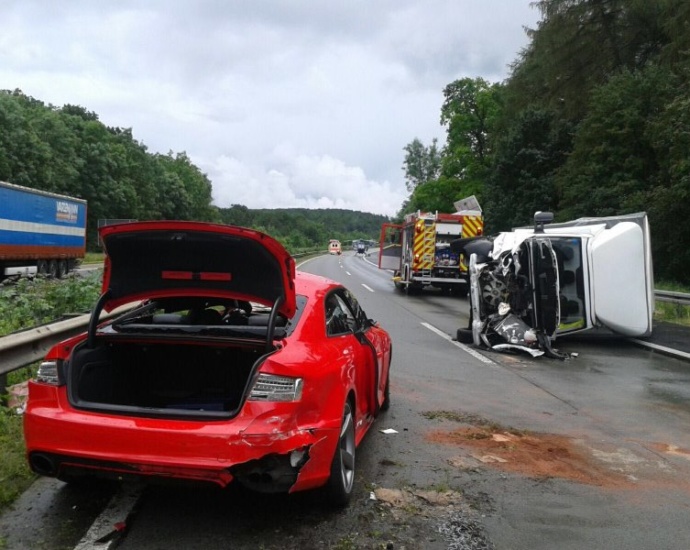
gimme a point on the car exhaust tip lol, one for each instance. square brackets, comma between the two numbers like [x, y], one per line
[43, 464]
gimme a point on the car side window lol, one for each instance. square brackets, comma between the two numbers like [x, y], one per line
[339, 317]
[353, 303]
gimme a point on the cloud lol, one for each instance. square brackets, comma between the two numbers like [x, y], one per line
[301, 181]
[300, 103]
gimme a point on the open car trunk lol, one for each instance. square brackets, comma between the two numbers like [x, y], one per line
[161, 379]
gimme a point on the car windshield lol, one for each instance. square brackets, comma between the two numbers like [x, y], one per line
[571, 281]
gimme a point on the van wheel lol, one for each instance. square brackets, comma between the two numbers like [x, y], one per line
[342, 480]
[464, 336]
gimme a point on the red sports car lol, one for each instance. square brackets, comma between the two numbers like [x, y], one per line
[225, 365]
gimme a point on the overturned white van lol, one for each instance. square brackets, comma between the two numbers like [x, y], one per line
[530, 285]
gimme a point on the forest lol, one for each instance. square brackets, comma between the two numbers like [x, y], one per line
[593, 120]
[67, 150]
[301, 229]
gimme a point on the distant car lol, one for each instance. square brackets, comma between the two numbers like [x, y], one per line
[334, 247]
[530, 285]
[231, 366]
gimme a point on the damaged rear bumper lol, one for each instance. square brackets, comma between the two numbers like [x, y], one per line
[265, 450]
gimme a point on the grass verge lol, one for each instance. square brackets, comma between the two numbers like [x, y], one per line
[15, 476]
[669, 312]
[28, 303]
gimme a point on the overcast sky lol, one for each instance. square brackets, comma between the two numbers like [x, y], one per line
[282, 103]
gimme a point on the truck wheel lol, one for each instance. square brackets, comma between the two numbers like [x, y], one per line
[61, 269]
[413, 289]
[52, 269]
[461, 291]
[42, 267]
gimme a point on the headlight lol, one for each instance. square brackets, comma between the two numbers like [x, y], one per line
[49, 373]
[269, 387]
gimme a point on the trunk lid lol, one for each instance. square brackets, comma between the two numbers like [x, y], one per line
[173, 258]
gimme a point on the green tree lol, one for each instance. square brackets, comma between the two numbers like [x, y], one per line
[422, 164]
[69, 151]
[578, 45]
[527, 158]
[669, 135]
[469, 112]
[613, 164]
[187, 184]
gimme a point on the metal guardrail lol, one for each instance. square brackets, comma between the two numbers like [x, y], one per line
[23, 348]
[679, 298]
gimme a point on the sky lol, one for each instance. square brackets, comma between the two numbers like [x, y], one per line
[281, 103]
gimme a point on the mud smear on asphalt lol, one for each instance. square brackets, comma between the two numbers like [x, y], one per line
[673, 450]
[536, 455]
[530, 454]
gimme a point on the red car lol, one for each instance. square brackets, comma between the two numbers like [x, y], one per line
[227, 365]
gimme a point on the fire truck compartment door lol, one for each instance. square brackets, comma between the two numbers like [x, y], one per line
[449, 228]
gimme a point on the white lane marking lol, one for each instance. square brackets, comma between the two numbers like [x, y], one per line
[107, 528]
[662, 349]
[348, 273]
[368, 287]
[463, 347]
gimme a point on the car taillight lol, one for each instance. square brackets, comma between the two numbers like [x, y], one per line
[269, 387]
[49, 373]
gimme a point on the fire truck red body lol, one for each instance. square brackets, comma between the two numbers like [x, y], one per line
[418, 250]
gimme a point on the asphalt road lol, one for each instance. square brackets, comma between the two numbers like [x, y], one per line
[488, 451]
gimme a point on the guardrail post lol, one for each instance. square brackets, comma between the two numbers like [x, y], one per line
[3, 389]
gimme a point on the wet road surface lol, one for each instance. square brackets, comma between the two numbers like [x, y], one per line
[508, 452]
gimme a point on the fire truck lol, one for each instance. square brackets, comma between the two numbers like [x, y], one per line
[418, 251]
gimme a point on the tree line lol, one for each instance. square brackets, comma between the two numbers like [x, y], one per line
[68, 150]
[593, 120]
[301, 229]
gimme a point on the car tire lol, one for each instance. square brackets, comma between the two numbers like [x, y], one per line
[464, 336]
[342, 481]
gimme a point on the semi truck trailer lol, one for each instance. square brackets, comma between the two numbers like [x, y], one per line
[40, 232]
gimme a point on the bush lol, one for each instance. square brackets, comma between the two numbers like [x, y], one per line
[15, 475]
[27, 303]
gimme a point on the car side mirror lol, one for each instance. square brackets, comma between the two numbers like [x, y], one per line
[541, 219]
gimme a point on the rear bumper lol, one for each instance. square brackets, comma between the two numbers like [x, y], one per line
[265, 448]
